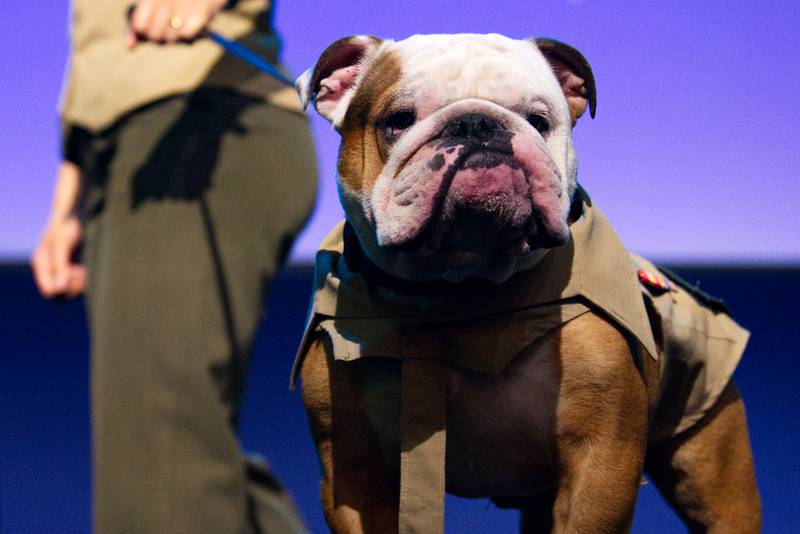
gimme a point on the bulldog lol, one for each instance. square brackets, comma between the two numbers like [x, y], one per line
[477, 327]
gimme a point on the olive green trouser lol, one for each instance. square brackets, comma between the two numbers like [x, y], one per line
[192, 204]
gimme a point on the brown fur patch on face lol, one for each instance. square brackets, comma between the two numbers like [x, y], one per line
[360, 158]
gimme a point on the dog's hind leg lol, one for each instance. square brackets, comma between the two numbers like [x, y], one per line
[706, 473]
[359, 492]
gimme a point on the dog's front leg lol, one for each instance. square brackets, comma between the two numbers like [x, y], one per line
[601, 426]
[359, 491]
[706, 473]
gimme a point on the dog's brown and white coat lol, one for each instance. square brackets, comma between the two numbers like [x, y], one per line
[456, 167]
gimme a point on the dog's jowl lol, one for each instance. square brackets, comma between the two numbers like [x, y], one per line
[478, 327]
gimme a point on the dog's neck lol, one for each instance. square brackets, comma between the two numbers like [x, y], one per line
[358, 262]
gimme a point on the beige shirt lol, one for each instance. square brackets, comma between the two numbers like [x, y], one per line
[105, 80]
[485, 328]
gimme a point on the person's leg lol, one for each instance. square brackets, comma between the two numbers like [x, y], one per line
[263, 195]
[182, 244]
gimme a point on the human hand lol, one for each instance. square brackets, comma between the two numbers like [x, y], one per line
[54, 268]
[170, 21]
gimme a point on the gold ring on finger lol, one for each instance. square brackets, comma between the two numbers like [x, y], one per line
[176, 23]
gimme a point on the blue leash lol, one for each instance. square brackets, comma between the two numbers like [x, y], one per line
[245, 54]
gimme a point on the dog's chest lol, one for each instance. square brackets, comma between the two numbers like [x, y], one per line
[500, 427]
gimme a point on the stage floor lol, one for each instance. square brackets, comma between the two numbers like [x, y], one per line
[45, 470]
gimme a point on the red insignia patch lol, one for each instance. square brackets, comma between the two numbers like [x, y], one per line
[655, 282]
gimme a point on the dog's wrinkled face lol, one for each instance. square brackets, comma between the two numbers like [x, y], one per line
[456, 158]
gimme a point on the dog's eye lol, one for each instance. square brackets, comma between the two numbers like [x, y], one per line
[396, 123]
[539, 122]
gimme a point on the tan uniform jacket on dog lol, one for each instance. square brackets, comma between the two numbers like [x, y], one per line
[485, 328]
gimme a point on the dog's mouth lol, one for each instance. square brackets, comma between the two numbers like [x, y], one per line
[471, 199]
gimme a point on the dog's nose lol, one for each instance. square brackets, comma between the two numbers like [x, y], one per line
[473, 125]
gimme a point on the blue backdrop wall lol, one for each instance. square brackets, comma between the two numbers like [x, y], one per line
[693, 154]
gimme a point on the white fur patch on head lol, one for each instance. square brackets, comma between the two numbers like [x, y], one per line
[439, 70]
[492, 67]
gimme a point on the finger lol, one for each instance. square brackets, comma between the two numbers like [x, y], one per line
[159, 22]
[130, 38]
[77, 280]
[59, 264]
[170, 33]
[67, 241]
[175, 24]
[141, 17]
[193, 24]
[40, 264]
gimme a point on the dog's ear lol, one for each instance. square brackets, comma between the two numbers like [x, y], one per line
[332, 82]
[573, 73]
